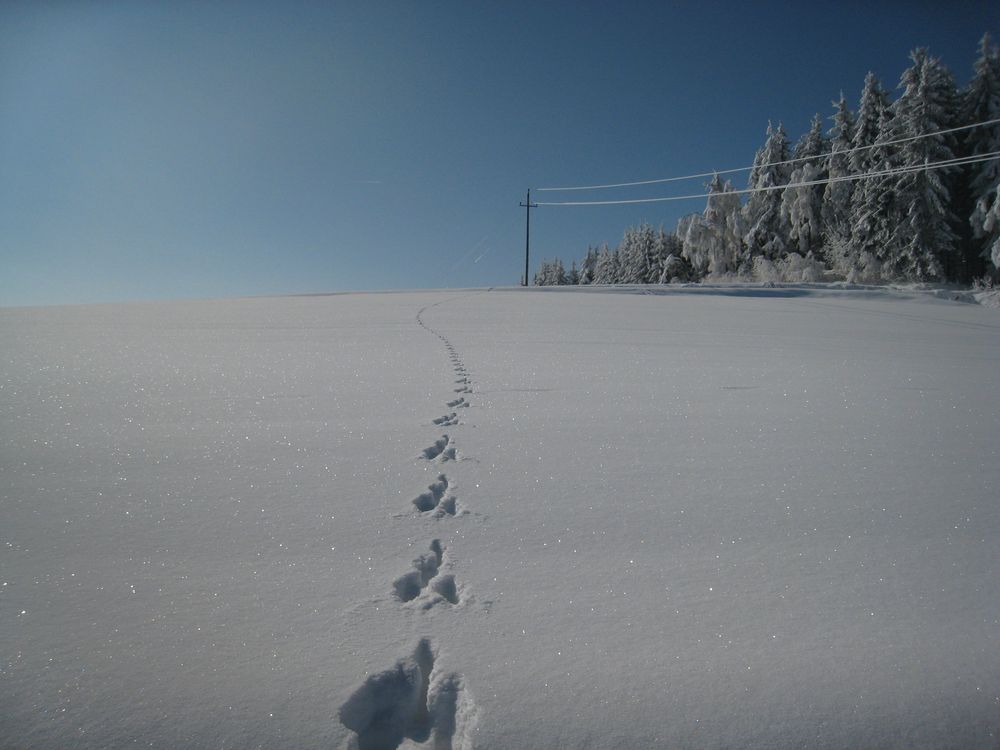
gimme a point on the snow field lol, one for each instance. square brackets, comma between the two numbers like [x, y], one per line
[522, 519]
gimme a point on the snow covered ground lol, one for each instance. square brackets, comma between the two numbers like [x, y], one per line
[731, 517]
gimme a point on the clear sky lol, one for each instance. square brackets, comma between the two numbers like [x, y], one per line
[204, 149]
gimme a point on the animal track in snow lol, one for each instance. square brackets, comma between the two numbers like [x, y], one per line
[414, 700]
[458, 403]
[437, 501]
[446, 588]
[425, 574]
[409, 585]
[443, 450]
[447, 420]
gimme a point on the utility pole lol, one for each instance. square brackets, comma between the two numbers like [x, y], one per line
[528, 205]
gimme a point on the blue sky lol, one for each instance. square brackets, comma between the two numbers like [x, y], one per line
[210, 149]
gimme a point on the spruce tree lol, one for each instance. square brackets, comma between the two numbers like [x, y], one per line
[616, 267]
[606, 271]
[558, 273]
[812, 144]
[802, 207]
[874, 101]
[653, 244]
[925, 242]
[589, 266]
[636, 253]
[872, 197]
[987, 219]
[980, 103]
[712, 240]
[656, 252]
[836, 208]
[574, 275]
[631, 258]
[673, 266]
[767, 234]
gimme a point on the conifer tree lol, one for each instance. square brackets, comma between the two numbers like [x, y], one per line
[649, 263]
[981, 103]
[631, 257]
[673, 265]
[606, 269]
[558, 273]
[541, 277]
[766, 234]
[802, 207]
[836, 208]
[924, 243]
[987, 219]
[657, 256]
[871, 197]
[589, 266]
[812, 144]
[712, 240]
[874, 101]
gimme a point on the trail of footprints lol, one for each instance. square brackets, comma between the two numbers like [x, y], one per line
[415, 700]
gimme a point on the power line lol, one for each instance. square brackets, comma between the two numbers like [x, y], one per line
[959, 161]
[770, 164]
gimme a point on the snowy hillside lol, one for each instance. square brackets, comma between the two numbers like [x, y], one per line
[759, 518]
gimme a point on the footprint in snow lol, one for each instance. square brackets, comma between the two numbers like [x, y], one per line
[426, 574]
[442, 450]
[413, 700]
[438, 501]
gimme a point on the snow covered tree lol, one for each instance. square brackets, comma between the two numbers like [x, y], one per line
[588, 267]
[836, 207]
[637, 253]
[801, 209]
[606, 268]
[802, 206]
[872, 198]
[573, 277]
[980, 103]
[812, 144]
[656, 253]
[987, 219]
[632, 257]
[712, 240]
[874, 102]
[766, 233]
[542, 275]
[673, 266]
[551, 273]
[558, 273]
[924, 243]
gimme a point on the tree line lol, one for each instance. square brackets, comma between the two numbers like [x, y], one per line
[808, 216]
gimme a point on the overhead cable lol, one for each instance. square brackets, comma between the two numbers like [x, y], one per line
[958, 161]
[845, 152]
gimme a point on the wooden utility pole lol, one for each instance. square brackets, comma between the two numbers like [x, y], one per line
[528, 205]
